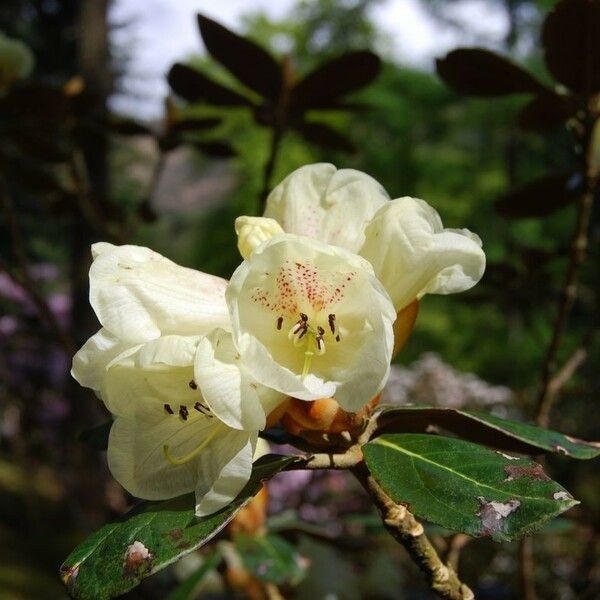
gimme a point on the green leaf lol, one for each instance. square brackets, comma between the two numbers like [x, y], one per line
[271, 559]
[118, 556]
[483, 428]
[186, 590]
[465, 487]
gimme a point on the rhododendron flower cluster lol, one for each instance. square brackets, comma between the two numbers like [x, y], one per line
[191, 366]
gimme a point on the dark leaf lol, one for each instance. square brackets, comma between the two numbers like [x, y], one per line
[540, 197]
[185, 125]
[193, 86]
[271, 559]
[169, 142]
[216, 148]
[545, 112]
[479, 72]
[34, 101]
[247, 61]
[187, 589]
[324, 136]
[123, 126]
[118, 556]
[96, 437]
[145, 211]
[338, 77]
[572, 44]
[465, 487]
[483, 428]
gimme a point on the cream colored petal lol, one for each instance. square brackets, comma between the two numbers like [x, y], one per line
[412, 254]
[253, 231]
[155, 374]
[228, 389]
[290, 276]
[90, 362]
[139, 295]
[226, 469]
[327, 204]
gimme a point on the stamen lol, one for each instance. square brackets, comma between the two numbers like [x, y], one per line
[308, 356]
[193, 385]
[183, 412]
[182, 460]
[333, 326]
[279, 323]
[320, 341]
[168, 409]
[202, 408]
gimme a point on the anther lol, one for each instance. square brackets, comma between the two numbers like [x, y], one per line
[183, 412]
[202, 408]
[193, 385]
[279, 323]
[333, 326]
[168, 409]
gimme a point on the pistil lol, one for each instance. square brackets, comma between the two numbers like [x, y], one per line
[182, 460]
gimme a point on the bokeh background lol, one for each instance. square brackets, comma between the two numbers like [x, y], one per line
[85, 156]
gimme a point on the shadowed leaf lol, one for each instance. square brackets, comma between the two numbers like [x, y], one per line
[195, 124]
[271, 559]
[216, 148]
[545, 112]
[483, 428]
[479, 72]
[248, 62]
[193, 86]
[124, 126]
[324, 136]
[187, 589]
[118, 556]
[572, 44]
[540, 197]
[338, 77]
[96, 437]
[465, 487]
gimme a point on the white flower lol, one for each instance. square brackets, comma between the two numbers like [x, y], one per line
[310, 320]
[187, 413]
[404, 239]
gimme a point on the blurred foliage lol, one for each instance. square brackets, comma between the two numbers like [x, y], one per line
[417, 137]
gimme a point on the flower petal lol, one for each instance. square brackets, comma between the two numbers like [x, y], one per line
[330, 205]
[228, 389]
[412, 254]
[90, 362]
[228, 465]
[139, 295]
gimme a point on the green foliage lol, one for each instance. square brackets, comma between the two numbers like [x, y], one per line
[118, 556]
[186, 590]
[465, 487]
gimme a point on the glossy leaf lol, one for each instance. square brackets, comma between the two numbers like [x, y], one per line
[545, 112]
[338, 77]
[186, 590]
[465, 487]
[247, 61]
[324, 136]
[193, 86]
[572, 44]
[118, 556]
[483, 428]
[479, 72]
[271, 559]
[540, 197]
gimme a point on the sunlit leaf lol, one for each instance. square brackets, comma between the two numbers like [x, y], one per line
[247, 61]
[338, 77]
[465, 487]
[118, 556]
[483, 428]
[545, 112]
[479, 72]
[540, 197]
[271, 559]
[193, 86]
[572, 44]
[324, 136]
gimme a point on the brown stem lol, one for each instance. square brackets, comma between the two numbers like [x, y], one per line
[270, 167]
[405, 529]
[545, 398]
[527, 569]
[22, 275]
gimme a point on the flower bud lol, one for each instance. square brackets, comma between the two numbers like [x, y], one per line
[253, 231]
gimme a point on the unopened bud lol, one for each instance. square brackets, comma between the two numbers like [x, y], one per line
[254, 231]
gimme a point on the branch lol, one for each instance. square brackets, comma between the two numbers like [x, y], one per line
[23, 276]
[329, 460]
[403, 526]
[567, 297]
